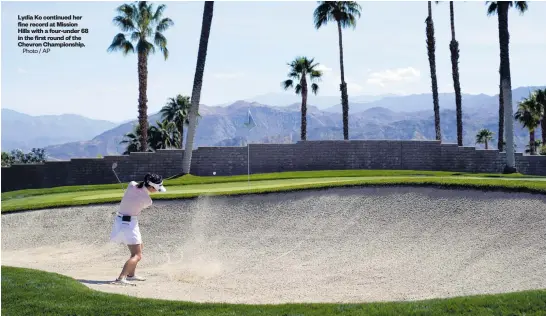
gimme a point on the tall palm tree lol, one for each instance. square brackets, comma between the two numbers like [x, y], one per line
[345, 14]
[501, 140]
[454, 48]
[197, 84]
[483, 137]
[176, 110]
[500, 8]
[529, 115]
[431, 48]
[300, 68]
[143, 25]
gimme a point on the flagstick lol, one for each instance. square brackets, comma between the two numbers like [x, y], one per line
[248, 159]
[248, 148]
[250, 119]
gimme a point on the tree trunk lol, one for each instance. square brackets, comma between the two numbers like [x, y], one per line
[486, 145]
[431, 47]
[182, 137]
[501, 117]
[543, 127]
[143, 100]
[343, 87]
[197, 84]
[454, 48]
[506, 85]
[303, 107]
[532, 150]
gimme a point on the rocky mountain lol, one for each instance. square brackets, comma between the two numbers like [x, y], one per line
[24, 131]
[423, 102]
[224, 126]
[321, 102]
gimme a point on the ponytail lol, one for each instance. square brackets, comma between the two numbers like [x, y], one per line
[145, 182]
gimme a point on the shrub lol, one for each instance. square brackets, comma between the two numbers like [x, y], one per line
[36, 155]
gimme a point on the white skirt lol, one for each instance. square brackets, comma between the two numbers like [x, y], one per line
[126, 233]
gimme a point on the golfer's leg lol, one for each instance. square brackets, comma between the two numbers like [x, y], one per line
[130, 265]
[131, 272]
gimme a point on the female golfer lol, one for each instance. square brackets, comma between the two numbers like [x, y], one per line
[125, 229]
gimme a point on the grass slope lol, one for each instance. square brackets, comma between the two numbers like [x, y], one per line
[33, 292]
[267, 183]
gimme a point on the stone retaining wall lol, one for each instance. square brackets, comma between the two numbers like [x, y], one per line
[302, 156]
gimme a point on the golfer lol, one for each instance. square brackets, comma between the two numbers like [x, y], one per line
[125, 229]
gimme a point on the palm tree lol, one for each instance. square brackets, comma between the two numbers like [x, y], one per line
[540, 97]
[345, 14]
[197, 84]
[484, 136]
[300, 68]
[164, 135]
[454, 48]
[132, 140]
[529, 115]
[431, 48]
[501, 9]
[143, 25]
[501, 140]
[176, 110]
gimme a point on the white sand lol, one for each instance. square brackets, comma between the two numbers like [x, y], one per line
[337, 245]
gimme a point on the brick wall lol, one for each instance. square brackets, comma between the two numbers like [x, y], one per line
[309, 155]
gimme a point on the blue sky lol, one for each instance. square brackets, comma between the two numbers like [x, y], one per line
[249, 46]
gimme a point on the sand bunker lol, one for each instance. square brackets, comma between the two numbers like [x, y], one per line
[337, 245]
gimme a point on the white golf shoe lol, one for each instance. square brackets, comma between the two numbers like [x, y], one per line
[136, 278]
[122, 282]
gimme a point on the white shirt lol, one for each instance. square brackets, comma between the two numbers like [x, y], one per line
[134, 200]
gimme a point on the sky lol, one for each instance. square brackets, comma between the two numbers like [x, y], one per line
[249, 47]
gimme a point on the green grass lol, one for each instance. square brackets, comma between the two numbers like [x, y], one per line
[33, 292]
[191, 186]
[189, 179]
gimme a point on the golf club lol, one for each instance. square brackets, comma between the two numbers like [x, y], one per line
[114, 166]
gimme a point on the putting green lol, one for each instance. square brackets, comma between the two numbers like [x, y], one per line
[193, 188]
[229, 187]
[82, 197]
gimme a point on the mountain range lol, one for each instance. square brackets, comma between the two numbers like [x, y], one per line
[387, 117]
[321, 102]
[26, 132]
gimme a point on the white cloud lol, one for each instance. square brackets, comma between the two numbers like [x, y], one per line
[228, 75]
[21, 71]
[324, 68]
[381, 78]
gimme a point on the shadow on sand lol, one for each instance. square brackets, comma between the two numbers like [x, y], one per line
[97, 282]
